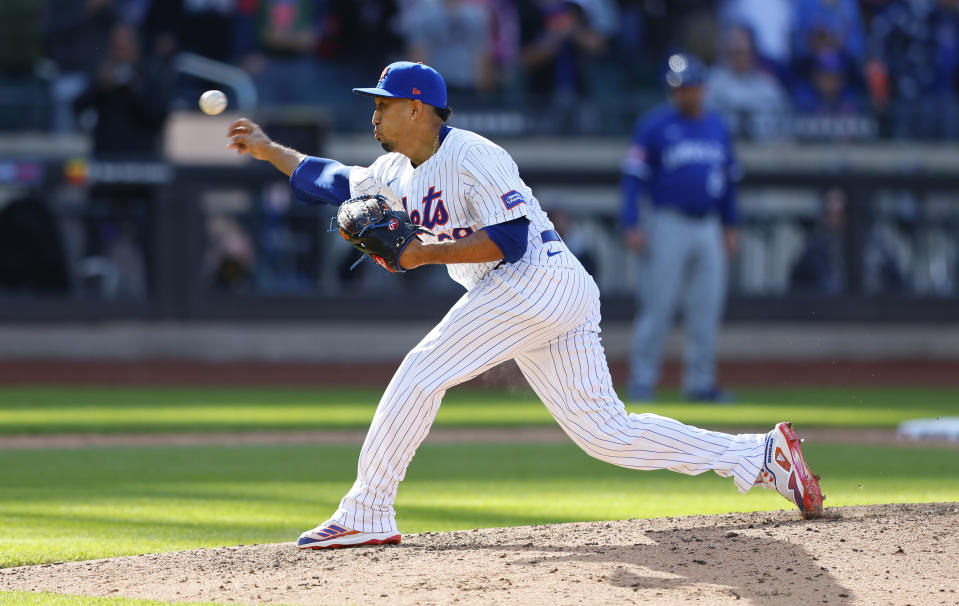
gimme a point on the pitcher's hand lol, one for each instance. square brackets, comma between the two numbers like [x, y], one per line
[248, 138]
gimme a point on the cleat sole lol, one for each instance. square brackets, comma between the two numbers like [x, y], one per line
[393, 540]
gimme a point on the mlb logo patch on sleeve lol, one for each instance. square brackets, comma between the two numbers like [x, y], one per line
[512, 198]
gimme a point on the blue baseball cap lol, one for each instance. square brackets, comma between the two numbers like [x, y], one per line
[684, 70]
[407, 80]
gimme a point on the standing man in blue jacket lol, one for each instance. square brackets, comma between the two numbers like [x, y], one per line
[682, 160]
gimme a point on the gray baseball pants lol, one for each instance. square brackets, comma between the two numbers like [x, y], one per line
[684, 262]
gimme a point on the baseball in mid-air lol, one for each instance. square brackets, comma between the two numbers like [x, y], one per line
[213, 102]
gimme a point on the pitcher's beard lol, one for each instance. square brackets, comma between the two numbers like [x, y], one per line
[386, 145]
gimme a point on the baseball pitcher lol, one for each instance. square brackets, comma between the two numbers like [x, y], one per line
[452, 197]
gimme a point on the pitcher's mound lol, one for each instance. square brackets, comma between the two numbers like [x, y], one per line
[875, 554]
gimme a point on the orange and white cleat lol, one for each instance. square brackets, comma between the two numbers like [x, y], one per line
[331, 536]
[785, 469]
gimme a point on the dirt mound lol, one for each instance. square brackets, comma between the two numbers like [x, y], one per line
[878, 554]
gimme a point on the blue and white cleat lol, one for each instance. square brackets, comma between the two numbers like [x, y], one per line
[785, 469]
[331, 536]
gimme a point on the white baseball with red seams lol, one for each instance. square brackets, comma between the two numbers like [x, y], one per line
[543, 311]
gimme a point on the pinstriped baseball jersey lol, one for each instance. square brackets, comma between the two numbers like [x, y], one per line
[469, 183]
[542, 311]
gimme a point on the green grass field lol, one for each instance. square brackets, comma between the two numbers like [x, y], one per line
[26, 410]
[99, 502]
[74, 504]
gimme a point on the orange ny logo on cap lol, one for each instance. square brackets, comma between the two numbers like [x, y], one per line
[383, 73]
[416, 91]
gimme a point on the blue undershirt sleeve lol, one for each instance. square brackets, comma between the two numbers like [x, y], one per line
[727, 205]
[510, 237]
[637, 169]
[320, 181]
[728, 210]
[631, 188]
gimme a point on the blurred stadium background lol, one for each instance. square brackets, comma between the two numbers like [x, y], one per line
[134, 247]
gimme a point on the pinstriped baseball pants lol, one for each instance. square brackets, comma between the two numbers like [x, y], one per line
[547, 319]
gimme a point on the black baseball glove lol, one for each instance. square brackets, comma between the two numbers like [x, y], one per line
[369, 224]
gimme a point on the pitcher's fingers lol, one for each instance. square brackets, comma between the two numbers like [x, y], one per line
[243, 125]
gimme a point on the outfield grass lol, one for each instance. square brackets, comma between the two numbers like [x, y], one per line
[82, 409]
[100, 502]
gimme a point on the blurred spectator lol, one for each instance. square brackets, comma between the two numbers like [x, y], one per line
[129, 100]
[871, 8]
[827, 79]
[750, 98]
[230, 257]
[557, 43]
[115, 266]
[133, 12]
[664, 25]
[822, 266]
[454, 36]
[838, 19]
[204, 27]
[75, 31]
[20, 38]
[32, 257]
[646, 32]
[823, 35]
[631, 33]
[770, 20]
[504, 40]
[361, 33]
[825, 86]
[130, 97]
[603, 15]
[914, 49]
[283, 62]
[23, 94]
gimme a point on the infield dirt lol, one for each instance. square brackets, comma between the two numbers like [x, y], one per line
[884, 554]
